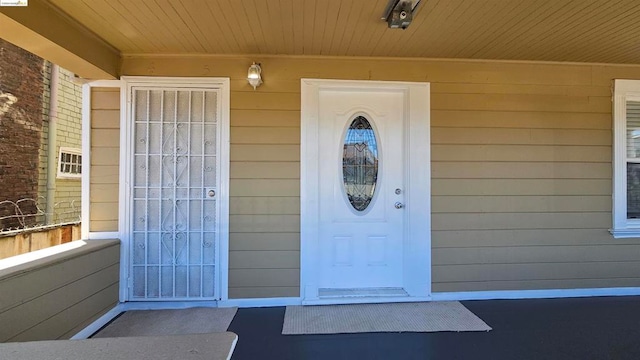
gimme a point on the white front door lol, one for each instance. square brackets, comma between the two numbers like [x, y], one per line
[365, 192]
[362, 187]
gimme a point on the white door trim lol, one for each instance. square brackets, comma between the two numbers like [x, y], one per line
[126, 160]
[417, 247]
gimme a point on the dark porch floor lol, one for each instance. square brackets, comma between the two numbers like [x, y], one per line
[578, 328]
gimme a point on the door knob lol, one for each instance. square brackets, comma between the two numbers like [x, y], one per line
[399, 205]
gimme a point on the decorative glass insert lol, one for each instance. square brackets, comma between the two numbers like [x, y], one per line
[360, 163]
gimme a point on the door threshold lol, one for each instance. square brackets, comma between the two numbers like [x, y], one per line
[365, 300]
[329, 293]
[330, 296]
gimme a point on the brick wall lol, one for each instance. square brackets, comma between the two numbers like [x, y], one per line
[20, 126]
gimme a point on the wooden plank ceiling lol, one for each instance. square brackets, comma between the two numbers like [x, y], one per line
[605, 31]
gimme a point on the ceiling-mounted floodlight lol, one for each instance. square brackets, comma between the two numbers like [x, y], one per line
[399, 13]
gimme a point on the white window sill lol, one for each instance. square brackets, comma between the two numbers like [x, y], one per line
[625, 233]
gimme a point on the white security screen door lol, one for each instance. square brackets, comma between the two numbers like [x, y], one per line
[175, 187]
[362, 190]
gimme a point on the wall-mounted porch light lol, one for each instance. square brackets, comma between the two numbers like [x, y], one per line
[254, 76]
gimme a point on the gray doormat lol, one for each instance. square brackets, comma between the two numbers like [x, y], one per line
[169, 322]
[394, 317]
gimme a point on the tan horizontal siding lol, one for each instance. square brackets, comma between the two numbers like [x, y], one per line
[522, 237]
[535, 254]
[521, 153]
[265, 100]
[103, 211]
[265, 135]
[261, 259]
[105, 138]
[265, 187]
[104, 174]
[105, 98]
[264, 241]
[495, 221]
[538, 271]
[519, 170]
[30, 315]
[104, 118]
[511, 136]
[105, 152]
[265, 170]
[520, 204]
[264, 277]
[102, 298]
[56, 296]
[522, 187]
[104, 225]
[264, 223]
[256, 205]
[521, 102]
[264, 217]
[104, 157]
[521, 157]
[521, 89]
[265, 152]
[500, 118]
[276, 118]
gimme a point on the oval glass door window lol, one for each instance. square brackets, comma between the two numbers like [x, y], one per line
[360, 163]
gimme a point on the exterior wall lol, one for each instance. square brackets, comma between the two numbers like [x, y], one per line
[69, 134]
[521, 169]
[105, 142]
[20, 126]
[58, 295]
[68, 191]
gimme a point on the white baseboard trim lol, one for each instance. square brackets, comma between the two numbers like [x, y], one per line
[534, 294]
[260, 302]
[166, 305]
[100, 322]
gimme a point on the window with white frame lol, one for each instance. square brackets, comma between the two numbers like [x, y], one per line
[626, 167]
[70, 163]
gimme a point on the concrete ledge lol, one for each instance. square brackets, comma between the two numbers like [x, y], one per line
[214, 346]
[20, 264]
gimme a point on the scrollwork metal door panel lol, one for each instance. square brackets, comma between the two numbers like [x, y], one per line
[175, 184]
